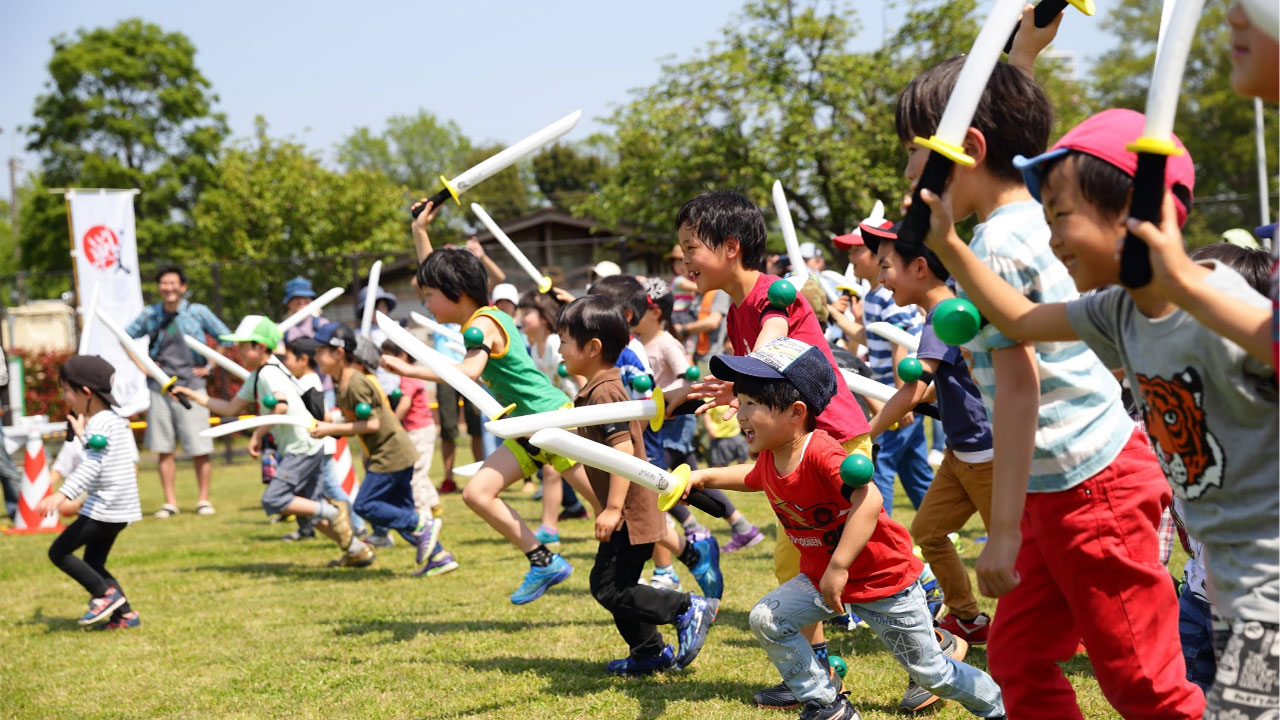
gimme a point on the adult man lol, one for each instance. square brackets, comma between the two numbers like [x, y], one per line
[165, 323]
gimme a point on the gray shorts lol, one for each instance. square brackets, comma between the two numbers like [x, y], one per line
[727, 451]
[296, 476]
[168, 422]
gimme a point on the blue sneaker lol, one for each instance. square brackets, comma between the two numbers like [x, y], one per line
[691, 628]
[631, 667]
[427, 538]
[101, 607]
[707, 571]
[539, 579]
[547, 537]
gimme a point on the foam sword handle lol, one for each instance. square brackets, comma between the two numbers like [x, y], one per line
[1045, 12]
[915, 226]
[707, 504]
[1148, 194]
[435, 201]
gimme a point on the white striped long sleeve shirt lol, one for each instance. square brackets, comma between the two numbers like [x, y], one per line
[109, 476]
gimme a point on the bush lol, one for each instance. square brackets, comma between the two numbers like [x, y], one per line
[43, 394]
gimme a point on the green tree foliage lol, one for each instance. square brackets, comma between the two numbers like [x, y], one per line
[274, 199]
[1215, 123]
[413, 151]
[566, 175]
[124, 107]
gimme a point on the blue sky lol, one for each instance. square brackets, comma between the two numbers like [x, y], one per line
[320, 69]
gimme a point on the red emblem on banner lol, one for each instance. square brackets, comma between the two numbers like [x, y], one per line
[101, 247]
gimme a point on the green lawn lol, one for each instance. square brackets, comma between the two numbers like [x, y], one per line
[237, 624]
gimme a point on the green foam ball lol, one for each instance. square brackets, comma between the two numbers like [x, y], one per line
[956, 321]
[473, 338]
[642, 383]
[97, 442]
[269, 402]
[857, 470]
[781, 294]
[910, 369]
[363, 411]
[562, 371]
[692, 373]
[839, 664]
[396, 394]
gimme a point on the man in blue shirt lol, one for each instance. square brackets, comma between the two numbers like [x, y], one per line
[168, 422]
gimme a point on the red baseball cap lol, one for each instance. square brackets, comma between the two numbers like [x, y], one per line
[1105, 136]
[845, 242]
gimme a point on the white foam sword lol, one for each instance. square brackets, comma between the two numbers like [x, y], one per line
[140, 356]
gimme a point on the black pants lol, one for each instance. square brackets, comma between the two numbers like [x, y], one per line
[96, 538]
[637, 609]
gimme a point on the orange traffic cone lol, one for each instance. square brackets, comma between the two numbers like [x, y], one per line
[35, 487]
[345, 467]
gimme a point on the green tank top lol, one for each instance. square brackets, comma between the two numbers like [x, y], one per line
[512, 377]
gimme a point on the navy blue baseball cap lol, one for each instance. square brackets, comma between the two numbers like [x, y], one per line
[801, 364]
[335, 334]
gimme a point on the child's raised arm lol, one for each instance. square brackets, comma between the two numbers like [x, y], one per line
[1030, 40]
[421, 241]
[1012, 313]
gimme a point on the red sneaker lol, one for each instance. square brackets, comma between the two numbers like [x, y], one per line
[972, 631]
[448, 486]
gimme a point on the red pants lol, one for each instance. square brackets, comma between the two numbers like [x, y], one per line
[1090, 572]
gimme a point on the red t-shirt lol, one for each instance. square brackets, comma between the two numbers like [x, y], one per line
[415, 393]
[812, 509]
[843, 418]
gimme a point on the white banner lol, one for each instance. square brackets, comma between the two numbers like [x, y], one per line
[106, 261]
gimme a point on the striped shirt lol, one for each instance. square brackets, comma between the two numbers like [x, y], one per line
[879, 307]
[109, 476]
[1082, 424]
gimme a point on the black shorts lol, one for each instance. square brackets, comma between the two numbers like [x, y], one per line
[448, 398]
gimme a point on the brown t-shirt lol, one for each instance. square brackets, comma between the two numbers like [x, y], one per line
[389, 449]
[640, 509]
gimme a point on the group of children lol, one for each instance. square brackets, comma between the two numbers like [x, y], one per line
[1071, 502]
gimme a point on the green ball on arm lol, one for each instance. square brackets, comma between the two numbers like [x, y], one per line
[857, 470]
[956, 321]
[363, 411]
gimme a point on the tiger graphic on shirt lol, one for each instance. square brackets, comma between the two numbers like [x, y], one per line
[1188, 453]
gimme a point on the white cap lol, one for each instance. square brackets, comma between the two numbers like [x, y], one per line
[1264, 14]
[606, 268]
[809, 250]
[505, 291]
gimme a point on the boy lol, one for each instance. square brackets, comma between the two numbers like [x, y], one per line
[723, 238]
[1209, 408]
[296, 487]
[592, 333]
[902, 451]
[108, 474]
[1066, 447]
[386, 495]
[850, 550]
[962, 486]
[452, 284]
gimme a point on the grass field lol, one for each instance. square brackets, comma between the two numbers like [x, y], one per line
[237, 624]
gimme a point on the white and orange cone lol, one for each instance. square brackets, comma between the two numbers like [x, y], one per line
[35, 487]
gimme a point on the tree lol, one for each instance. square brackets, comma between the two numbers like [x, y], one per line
[124, 107]
[413, 151]
[1213, 122]
[566, 175]
[275, 200]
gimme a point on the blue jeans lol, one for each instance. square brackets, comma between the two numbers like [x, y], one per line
[903, 453]
[386, 500]
[333, 490]
[1195, 628]
[904, 625]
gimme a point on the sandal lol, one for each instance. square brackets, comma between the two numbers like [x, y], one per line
[204, 507]
[166, 511]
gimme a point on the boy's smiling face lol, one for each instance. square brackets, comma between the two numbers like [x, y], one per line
[442, 308]
[898, 277]
[1083, 239]
[763, 427]
[577, 360]
[1253, 58]
[708, 268]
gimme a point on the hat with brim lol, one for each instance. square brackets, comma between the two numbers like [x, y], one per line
[337, 335]
[846, 242]
[873, 235]
[382, 295]
[92, 372]
[304, 345]
[298, 287]
[785, 358]
[255, 328]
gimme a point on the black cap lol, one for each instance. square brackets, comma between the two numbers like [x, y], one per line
[785, 358]
[335, 334]
[92, 372]
[303, 345]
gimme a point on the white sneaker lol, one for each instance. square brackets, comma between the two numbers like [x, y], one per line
[665, 581]
[166, 511]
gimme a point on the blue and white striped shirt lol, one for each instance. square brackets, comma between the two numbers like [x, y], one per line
[1083, 424]
[879, 307]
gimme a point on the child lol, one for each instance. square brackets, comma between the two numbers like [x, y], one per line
[1209, 408]
[850, 550]
[592, 333]
[414, 413]
[902, 452]
[110, 478]
[299, 358]
[727, 445]
[723, 237]
[1067, 446]
[296, 487]
[962, 486]
[386, 495]
[452, 284]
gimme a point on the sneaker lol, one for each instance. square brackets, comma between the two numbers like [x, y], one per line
[973, 631]
[440, 563]
[952, 646]
[917, 698]
[691, 628]
[204, 507]
[341, 525]
[380, 539]
[665, 581]
[838, 710]
[448, 486]
[539, 579]
[631, 667]
[101, 607]
[548, 538]
[166, 511]
[427, 539]
[537, 494]
[364, 558]
[297, 535]
[743, 540]
[780, 697]
[276, 519]
[707, 571]
[124, 621]
[574, 513]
